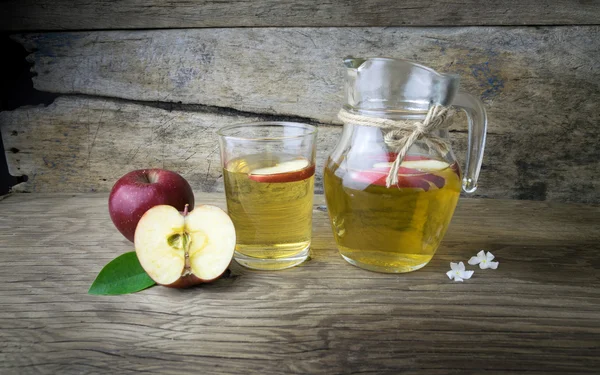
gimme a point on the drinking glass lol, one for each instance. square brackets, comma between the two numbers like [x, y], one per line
[268, 171]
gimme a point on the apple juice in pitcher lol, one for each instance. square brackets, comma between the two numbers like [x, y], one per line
[392, 181]
[397, 228]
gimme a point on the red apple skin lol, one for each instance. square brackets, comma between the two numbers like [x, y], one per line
[407, 178]
[191, 280]
[138, 191]
[414, 182]
[456, 168]
[186, 282]
[284, 177]
[438, 181]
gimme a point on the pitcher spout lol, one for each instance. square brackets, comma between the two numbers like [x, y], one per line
[353, 62]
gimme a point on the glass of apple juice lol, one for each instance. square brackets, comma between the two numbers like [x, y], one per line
[268, 171]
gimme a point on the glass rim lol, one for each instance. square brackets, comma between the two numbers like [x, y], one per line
[309, 130]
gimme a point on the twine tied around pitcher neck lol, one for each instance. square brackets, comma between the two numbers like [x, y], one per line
[400, 135]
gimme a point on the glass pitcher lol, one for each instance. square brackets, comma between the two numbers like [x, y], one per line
[397, 228]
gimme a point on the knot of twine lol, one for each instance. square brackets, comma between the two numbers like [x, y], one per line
[400, 135]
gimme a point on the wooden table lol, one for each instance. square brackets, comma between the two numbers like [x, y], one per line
[539, 312]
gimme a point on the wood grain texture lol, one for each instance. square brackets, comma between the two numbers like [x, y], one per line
[81, 144]
[138, 14]
[532, 79]
[538, 313]
[541, 87]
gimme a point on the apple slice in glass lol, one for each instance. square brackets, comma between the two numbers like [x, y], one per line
[287, 171]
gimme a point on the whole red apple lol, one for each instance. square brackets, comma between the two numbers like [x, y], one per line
[138, 191]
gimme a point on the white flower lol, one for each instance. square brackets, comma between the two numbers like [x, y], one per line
[484, 260]
[458, 272]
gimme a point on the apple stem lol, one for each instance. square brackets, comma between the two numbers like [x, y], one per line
[185, 209]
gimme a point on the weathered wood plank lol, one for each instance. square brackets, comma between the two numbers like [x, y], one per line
[138, 14]
[532, 79]
[81, 144]
[541, 88]
[7, 181]
[538, 313]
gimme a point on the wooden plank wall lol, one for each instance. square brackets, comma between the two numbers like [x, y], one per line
[159, 14]
[154, 98]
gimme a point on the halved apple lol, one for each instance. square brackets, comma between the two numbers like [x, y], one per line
[287, 171]
[184, 249]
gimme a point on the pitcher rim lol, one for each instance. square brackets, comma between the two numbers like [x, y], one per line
[411, 62]
[309, 130]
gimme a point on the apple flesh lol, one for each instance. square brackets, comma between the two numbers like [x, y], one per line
[287, 171]
[180, 250]
[138, 191]
[414, 166]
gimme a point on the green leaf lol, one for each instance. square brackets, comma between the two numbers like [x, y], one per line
[122, 275]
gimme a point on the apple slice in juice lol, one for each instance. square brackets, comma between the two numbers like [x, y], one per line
[413, 173]
[286, 171]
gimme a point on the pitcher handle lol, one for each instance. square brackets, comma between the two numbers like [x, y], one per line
[477, 117]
